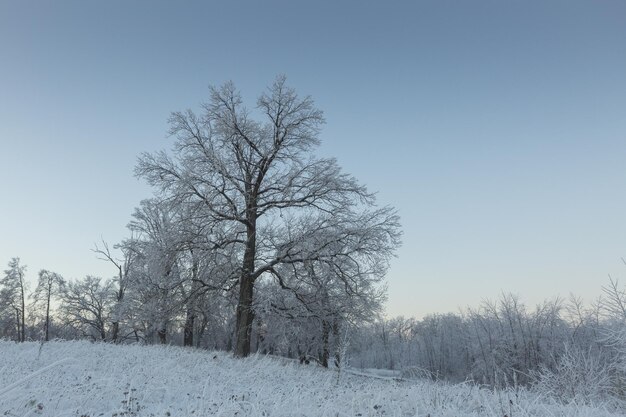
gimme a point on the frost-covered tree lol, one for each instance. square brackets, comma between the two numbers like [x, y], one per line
[336, 281]
[13, 289]
[86, 306]
[208, 277]
[260, 180]
[205, 273]
[123, 265]
[49, 286]
[613, 306]
[155, 284]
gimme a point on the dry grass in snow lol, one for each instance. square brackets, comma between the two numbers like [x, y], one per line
[85, 379]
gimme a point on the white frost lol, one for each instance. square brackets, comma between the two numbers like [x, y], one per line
[109, 380]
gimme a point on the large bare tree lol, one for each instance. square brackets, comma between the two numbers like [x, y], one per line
[254, 173]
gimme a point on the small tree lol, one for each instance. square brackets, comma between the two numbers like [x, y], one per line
[86, 306]
[13, 294]
[123, 266]
[49, 286]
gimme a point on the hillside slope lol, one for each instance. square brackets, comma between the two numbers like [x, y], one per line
[85, 379]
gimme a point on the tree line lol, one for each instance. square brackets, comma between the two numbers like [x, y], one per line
[565, 348]
[571, 350]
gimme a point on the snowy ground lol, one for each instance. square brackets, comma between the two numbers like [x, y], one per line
[84, 379]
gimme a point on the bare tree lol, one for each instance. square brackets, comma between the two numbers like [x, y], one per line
[50, 285]
[614, 301]
[123, 266]
[86, 306]
[205, 272]
[334, 272]
[13, 293]
[156, 280]
[260, 179]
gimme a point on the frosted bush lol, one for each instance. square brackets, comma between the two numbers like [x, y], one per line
[582, 377]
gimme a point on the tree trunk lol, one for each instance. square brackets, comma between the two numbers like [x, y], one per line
[245, 314]
[188, 330]
[245, 317]
[162, 334]
[191, 305]
[201, 329]
[17, 317]
[325, 347]
[23, 337]
[116, 323]
[115, 331]
[48, 316]
[337, 340]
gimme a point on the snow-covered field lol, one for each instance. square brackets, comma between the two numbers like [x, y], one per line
[84, 379]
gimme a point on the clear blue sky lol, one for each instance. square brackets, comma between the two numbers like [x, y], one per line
[497, 128]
